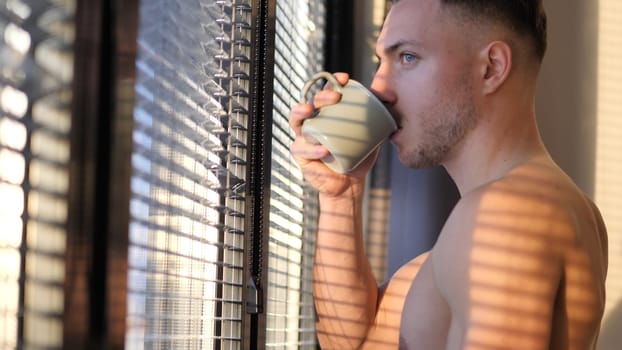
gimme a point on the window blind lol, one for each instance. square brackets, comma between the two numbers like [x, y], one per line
[36, 67]
[299, 52]
[189, 163]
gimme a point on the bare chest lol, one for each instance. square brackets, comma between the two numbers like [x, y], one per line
[426, 318]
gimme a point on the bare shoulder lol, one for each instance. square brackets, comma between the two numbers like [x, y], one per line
[534, 211]
[514, 251]
[536, 201]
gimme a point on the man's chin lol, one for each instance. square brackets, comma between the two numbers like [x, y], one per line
[417, 159]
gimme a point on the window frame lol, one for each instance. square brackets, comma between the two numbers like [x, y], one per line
[97, 238]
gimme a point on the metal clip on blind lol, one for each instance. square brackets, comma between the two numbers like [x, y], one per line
[189, 175]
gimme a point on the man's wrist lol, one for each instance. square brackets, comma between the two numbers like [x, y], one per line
[352, 193]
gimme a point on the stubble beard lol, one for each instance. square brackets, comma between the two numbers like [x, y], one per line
[444, 128]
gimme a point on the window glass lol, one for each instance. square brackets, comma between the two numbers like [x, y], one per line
[36, 65]
[187, 206]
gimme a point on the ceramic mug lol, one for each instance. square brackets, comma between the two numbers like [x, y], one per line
[352, 128]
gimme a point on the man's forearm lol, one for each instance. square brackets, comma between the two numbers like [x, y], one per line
[345, 290]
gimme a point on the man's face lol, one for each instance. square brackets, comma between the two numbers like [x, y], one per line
[425, 78]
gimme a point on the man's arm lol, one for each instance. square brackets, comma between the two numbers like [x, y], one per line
[344, 288]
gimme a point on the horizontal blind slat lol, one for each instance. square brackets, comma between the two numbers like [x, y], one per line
[290, 312]
[188, 180]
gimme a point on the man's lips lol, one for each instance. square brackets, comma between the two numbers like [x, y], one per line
[398, 124]
[395, 133]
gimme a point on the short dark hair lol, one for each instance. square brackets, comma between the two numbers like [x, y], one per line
[524, 17]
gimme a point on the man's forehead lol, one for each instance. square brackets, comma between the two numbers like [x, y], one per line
[417, 5]
[409, 21]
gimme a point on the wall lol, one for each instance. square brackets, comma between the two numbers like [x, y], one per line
[566, 100]
[608, 189]
[579, 103]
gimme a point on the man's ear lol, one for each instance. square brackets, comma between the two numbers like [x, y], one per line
[496, 64]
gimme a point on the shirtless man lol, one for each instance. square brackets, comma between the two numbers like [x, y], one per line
[521, 261]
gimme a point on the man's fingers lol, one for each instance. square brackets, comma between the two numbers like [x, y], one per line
[303, 150]
[342, 78]
[302, 111]
[326, 97]
[297, 116]
[329, 95]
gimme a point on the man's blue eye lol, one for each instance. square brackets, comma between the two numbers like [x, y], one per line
[408, 58]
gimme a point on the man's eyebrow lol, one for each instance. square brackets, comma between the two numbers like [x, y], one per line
[396, 46]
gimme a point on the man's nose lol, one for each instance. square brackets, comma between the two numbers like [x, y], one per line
[381, 87]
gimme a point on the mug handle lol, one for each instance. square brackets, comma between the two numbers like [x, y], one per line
[321, 75]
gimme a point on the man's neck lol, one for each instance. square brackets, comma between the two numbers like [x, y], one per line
[495, 147]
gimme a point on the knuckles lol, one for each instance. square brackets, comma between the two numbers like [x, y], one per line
[326, 97]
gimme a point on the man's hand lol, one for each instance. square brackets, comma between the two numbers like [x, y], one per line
[308, 156]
